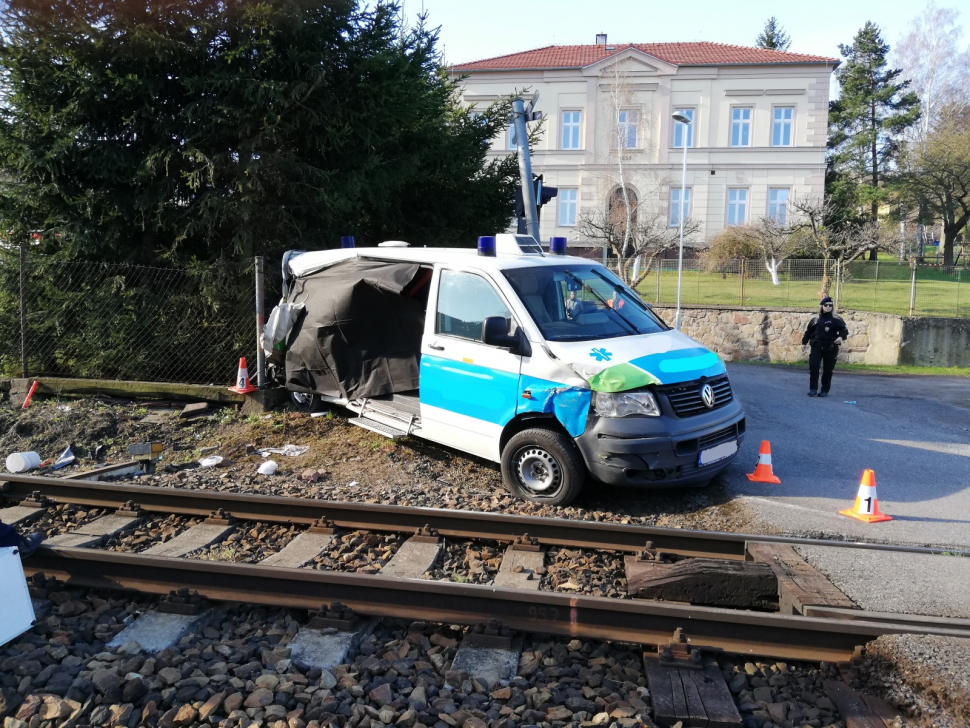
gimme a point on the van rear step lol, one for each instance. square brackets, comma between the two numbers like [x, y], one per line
[378, 427]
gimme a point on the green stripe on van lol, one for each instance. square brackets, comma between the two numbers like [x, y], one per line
[620, 378]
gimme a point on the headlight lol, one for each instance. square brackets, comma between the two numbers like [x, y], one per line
[625, 404]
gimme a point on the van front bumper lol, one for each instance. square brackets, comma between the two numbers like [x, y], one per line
[659, 452]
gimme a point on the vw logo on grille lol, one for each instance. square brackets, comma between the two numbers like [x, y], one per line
[707, 394]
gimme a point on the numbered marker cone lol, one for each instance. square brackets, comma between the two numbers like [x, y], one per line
[242, 379]
[763, 473]
[866, 507]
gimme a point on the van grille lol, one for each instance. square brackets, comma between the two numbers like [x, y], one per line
[686, 398]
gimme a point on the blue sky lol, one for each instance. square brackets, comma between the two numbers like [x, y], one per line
[473, 29]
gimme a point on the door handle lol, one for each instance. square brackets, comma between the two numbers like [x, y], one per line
[436, 347]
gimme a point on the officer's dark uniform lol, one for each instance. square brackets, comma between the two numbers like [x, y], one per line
[823, 333]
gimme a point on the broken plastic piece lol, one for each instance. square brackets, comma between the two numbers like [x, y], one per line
[267, 468]
[210, 462]
[65, 458]
[288, 450]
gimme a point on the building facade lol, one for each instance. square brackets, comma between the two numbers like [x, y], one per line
[757, 136]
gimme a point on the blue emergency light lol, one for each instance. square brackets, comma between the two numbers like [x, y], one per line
[486, 245]
[347, 241]
[557, 246]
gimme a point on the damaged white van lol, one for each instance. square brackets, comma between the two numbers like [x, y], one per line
[545, 363]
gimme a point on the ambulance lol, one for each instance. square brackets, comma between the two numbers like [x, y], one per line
[545, 363]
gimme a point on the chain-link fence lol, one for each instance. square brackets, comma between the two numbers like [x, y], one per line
[119, 321]
[883, 286]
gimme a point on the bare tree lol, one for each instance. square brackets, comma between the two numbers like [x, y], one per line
[774, 241]
[636, 234]
[936, 173]
[810, 231]
[936, 63]
[633, 225]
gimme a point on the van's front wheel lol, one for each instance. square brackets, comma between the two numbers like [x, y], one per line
[543, 466]
[306, 402]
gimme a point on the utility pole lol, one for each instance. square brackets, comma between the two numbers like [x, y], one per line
[523, 114]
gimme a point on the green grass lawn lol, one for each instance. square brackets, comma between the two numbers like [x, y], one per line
[866, 287]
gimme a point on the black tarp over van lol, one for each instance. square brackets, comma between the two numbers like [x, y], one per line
[360, 335]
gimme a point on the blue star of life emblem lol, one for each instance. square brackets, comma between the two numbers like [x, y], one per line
[601, 354]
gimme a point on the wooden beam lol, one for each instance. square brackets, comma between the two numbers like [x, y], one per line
[695, 698]
[51, 386]
[708, 582]
[799, 584]
[860, 711]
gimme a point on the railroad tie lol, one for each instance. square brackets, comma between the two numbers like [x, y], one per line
[300, 551]
[17, 515]
[518, 569]
[95, 532]
[695, 696]
[197, 537]
[416, 555]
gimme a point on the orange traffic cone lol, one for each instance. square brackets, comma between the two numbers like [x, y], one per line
[866, 503]
[763, 473]
[242, 379]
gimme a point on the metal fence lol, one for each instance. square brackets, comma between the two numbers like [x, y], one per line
[118, 321]
[883, 286]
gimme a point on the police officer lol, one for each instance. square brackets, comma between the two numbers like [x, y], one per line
[823, 334]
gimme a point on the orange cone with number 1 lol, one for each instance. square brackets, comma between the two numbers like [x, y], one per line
[763, 473]
[243, 385]
[866, 507]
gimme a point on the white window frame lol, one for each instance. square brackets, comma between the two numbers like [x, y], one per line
[623, 129]
[563, 206]
[782, 123]
[577, 126]
[674, 206]
[783, 205]
[742, 125]
[691, 113]
[743, 202]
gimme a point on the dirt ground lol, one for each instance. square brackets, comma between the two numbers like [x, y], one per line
[353, 464]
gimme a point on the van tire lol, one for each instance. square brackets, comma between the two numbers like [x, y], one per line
[306, 402]
[543, 466]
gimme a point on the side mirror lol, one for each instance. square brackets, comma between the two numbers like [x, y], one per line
[494, 333]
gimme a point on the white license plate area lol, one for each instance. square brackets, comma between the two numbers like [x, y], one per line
[718, 452]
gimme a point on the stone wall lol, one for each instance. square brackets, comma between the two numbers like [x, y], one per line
[760, 334]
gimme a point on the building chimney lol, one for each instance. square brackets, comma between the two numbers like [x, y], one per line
[601, 39]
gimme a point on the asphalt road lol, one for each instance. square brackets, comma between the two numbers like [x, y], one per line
[912, 431]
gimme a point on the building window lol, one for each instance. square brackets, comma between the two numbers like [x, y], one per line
[627, 128]
[510, 136]
[571, 123]
[737, 212]
[778, 204]
[741, 127]
[679, 129]
[781, 126]
[568, 204]
[675, 205]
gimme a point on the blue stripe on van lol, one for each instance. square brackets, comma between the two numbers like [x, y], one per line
[469, 389]
[681, 365]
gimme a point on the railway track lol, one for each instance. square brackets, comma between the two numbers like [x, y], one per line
[832, 635]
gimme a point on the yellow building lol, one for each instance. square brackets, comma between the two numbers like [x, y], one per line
[757, 137]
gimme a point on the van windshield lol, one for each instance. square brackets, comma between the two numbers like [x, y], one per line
[581, 302]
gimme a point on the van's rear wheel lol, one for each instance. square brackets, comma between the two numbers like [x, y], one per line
[306, 402]
[543, 466]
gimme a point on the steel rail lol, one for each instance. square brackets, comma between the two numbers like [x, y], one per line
[623, 620]
[463, 524]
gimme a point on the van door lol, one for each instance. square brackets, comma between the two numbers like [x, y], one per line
[468, 390]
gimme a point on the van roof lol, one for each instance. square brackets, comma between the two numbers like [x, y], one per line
[304, 264]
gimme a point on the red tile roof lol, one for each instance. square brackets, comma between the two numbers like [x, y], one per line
[679, 54]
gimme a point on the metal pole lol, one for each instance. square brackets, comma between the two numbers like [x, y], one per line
[260, 321]
[23, 312]
[912, 293]
[525, 169]
[875, 287]
[741, 295]
[680, 255]
[659, 269]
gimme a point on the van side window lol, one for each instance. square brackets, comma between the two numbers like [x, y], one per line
[465, 300]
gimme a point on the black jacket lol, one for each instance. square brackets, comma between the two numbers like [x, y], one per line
[825, 329]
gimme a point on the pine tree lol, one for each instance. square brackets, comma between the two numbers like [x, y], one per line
[196, 129]
[773, 37]
[866, 122]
